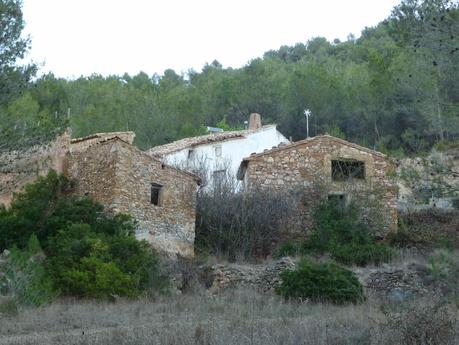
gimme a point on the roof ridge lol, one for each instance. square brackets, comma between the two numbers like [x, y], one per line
[183, 143]
[306, 140]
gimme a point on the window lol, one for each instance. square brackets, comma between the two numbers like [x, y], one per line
[338, 199]
[219, 176]
[218, 150]
[343, 170]
[191, 154]
[156, 194]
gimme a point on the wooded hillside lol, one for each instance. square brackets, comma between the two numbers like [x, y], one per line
[395, 88]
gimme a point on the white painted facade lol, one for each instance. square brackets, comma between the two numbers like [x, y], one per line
[222, 158]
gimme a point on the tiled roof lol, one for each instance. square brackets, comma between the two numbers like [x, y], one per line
[160, 151]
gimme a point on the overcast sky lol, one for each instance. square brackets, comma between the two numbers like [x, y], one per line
[81, 37]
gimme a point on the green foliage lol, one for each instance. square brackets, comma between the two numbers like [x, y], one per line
[341, 231]
[392, 89]
[443, 266]
[336, 225]
[29, 282]
[400, 238]
[88, 253]
[290, 248]
[321, 282]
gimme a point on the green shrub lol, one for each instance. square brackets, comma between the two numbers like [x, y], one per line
[29, 282]
[86, 252]
[362, 255]
[342, 231]
[337, 225]
[321, 282]
[290, 248]
[400, 238]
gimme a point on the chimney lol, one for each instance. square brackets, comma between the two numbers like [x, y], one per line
[254, 121]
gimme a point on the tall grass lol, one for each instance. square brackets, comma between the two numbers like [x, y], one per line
[237, 317]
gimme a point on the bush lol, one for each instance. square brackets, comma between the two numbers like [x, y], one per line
[321, 282]
[432, 322]
[88, 252]
[361, 255]
[28, 281]
[343, 232]
[290, 248]
[239, 225]
[336, 225]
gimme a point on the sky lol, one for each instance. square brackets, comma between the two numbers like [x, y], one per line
[72, 38]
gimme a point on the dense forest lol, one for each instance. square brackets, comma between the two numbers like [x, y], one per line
[395, 88]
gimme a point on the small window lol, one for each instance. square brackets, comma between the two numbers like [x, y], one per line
[219, 176]
[156, 194]
[337, 199]
[191, 154]
[218, 150]
[343, 170]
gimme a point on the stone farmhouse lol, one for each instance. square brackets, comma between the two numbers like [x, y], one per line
[325, 166]
[109, 169]
[217, 156]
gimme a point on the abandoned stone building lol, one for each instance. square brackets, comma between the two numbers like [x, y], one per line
[325, 166]
[109, 169]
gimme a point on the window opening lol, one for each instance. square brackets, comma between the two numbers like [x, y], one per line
[347, 169]
[218, 150]
[219, 176]
[155, 198]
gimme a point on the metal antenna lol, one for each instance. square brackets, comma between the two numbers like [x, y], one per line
[307, 113]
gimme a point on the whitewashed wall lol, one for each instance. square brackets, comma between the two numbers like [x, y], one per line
[232, 152]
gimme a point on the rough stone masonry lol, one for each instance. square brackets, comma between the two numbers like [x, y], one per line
[325, 166]
[109, 169]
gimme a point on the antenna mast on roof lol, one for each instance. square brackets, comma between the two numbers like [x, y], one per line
[307, 113]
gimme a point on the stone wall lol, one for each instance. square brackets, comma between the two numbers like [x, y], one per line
[21, 167]
[429, 182]
[81, 144]
[306, 166]
[120, 176]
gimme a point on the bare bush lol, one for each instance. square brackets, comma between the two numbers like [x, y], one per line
[422, 323]
[242, 225]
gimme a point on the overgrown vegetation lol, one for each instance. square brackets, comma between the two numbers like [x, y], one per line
[241, 225]
[87, 253]
[341, 231]
[321, 282]
[427, 229]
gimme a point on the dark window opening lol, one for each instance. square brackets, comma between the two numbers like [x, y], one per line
[337, 199]
[219, 176]
[343, 170]
[156, 194]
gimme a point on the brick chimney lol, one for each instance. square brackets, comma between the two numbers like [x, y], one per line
[254, 121]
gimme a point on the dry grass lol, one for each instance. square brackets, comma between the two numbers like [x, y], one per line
[237, 317]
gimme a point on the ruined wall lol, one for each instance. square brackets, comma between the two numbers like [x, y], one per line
[82, 144]
[307, 167]
[20, 167]
[119, 176]
[94, 173]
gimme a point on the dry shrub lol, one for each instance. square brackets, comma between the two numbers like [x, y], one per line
[422, 322]
[242, 225]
